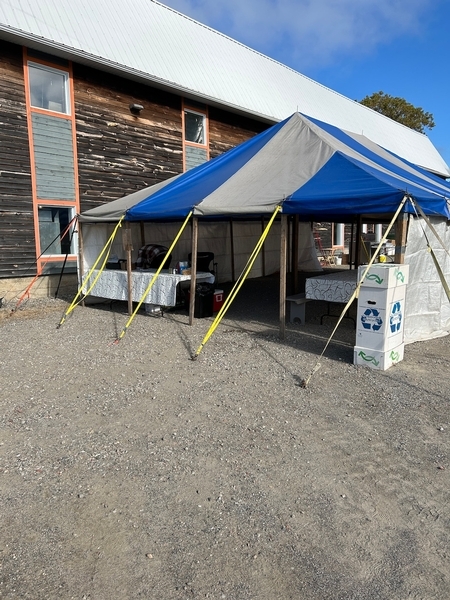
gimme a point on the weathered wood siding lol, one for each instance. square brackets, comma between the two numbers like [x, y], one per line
[119, 153]
[17, 242]
[53, 157]
[227, 130]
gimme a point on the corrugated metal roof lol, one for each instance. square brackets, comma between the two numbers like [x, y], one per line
[146, 40]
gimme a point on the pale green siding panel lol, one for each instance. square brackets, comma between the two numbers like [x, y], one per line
[53, 155]
[195, 157]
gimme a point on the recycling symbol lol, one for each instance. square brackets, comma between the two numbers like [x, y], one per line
[395, 320]
[371, 319]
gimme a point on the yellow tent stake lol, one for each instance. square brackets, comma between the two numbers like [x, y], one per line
[355, 294]
[237, 286]
[106, 250]
[153, 279]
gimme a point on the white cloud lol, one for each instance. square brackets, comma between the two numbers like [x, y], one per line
[310, 32]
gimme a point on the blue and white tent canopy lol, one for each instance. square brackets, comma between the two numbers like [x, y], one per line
[310, 168]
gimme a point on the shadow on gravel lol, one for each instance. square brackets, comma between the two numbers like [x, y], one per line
[255, 311]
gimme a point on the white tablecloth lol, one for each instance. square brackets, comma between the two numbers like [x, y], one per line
[334, 287]
[114, 285]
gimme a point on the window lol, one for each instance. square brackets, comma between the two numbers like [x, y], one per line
[54, 175]
[48, 88]
[54, 231]
[195, 136]
[194, 127]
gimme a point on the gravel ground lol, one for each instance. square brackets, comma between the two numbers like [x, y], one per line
[129, 471]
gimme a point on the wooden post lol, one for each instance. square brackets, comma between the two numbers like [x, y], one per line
[401, 230]
[233, 278]
[263, 250]
[295, 284]
[289, 246]
[283, 255]
[128, 247]
[194, 247]
[80, 259]
[358, 241]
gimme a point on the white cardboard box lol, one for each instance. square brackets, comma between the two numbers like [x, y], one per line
[380, 318]
[376, 359]
[384, 275]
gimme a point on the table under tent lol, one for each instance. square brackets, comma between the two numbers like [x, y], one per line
[258, 199]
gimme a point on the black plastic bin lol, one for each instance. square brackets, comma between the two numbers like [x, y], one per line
[204, 300]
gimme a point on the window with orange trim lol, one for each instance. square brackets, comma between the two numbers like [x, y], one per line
[48, 88]
[195, 136]
[52, 138]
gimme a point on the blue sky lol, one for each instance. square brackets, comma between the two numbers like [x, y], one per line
[355, 47]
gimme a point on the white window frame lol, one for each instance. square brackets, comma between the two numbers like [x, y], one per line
[71, 214]
[60, 72]
[205, 133]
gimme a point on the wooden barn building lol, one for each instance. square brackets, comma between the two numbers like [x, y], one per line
[95, 105]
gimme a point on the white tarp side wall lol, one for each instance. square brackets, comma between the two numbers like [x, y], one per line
[307, 251]
[212, 237]
[95, 237]
[427, 306]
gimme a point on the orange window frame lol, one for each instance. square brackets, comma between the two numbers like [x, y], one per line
[199, 111]
[40, 202]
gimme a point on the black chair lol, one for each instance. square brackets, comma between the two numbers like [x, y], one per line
[205, 262]
[151, 257]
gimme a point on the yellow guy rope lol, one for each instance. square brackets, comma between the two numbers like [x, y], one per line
[153, 279]
[355, 294]
[106, 250]
[237, 286]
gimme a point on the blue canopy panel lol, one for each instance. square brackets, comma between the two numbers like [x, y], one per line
[348, 187]
[177, 199]
[384, 159]
[343, 188]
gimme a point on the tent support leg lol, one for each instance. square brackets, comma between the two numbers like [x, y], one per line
[128, 248]
[351, 248]
[283, 256]
[401, 229]
[129, 276]
[358, 241]
[194, 247]
[295, 285]
[263, 250]
[80, 258]
[233, 275]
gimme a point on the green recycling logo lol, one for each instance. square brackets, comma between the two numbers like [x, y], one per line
[394, 356]
[399, 276]
[374, 277]
[368, 358]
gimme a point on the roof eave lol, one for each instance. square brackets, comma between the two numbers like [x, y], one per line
[90, 60]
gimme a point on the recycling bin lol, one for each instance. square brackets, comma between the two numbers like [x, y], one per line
[380, 315]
